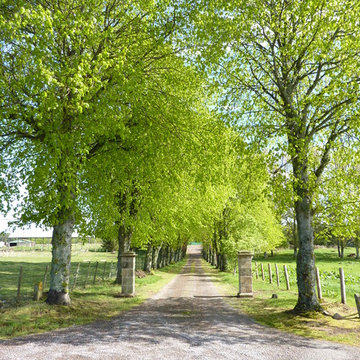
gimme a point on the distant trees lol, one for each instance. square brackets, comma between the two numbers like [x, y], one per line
[248, 219]
[4, 236]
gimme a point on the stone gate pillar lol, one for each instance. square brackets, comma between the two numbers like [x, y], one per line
[245, 275]
[128, 274]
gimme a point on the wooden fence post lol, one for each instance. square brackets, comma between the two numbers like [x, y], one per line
[262, 272]
[318, 283]
[270, 274]
[19, 286]
[357, 301]
[87, 274]
[111, 268]
[45, 276]
[286, 278]
[38, 291]
[76, 276]
[342, 286]
[256, 270]
[277, 276]
[103, 277]
[96, 268]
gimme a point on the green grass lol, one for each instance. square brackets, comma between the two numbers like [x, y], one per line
[275, 312]
[328, 262]
[34, 264]
[95, 302]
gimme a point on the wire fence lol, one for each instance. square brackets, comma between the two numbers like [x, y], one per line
[330, 284]
[18, 280]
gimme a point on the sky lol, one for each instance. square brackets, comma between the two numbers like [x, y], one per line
[31, 231]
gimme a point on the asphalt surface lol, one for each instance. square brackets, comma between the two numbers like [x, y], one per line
[187, 319]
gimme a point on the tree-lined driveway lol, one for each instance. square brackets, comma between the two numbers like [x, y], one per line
[187, 319]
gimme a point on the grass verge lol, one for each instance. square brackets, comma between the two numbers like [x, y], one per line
[274, 312]
[96, 302]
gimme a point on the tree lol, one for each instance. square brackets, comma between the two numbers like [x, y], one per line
[290, 71]
[68, 70]
[336, 201]
[248, 220]
[4, 236]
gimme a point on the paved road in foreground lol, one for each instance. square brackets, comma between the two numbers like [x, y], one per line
[187, 319]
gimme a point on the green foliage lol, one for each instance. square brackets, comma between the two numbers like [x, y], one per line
[288, 71]
[337, 210]
[109, 244]
[4, 236]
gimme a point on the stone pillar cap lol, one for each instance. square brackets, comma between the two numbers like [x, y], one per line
[245, 253]
[129, 254]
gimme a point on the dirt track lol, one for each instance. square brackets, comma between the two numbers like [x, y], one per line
[187, 319]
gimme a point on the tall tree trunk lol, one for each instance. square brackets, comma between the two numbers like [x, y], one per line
[160, 258]
[357, 248]
[342, 246]
[148, 258]
[155, 256]
[218, 261]
[305, 263]
[60, 263]
[213, 259]
[295, 238]
[124, 239]
[224, 262]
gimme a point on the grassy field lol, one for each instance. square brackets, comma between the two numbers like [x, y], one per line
[34, 263]
[275, 312]
[328, 263]
[94, 302]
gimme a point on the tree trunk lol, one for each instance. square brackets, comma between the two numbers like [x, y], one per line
[338, 247]
[124, 238]
[295, 238]
[155, 256]
[218, 260]
[305, 269]
[148, 258]
[213, 260]
[183, 252]
[223, 262]
[357, 249]
[60, 263]
[160, 257]
[342, 246]
[166, 256]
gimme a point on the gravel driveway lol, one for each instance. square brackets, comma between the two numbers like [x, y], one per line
[187, 319]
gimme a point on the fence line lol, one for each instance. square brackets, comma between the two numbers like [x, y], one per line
[342, 281]
[82, 274]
